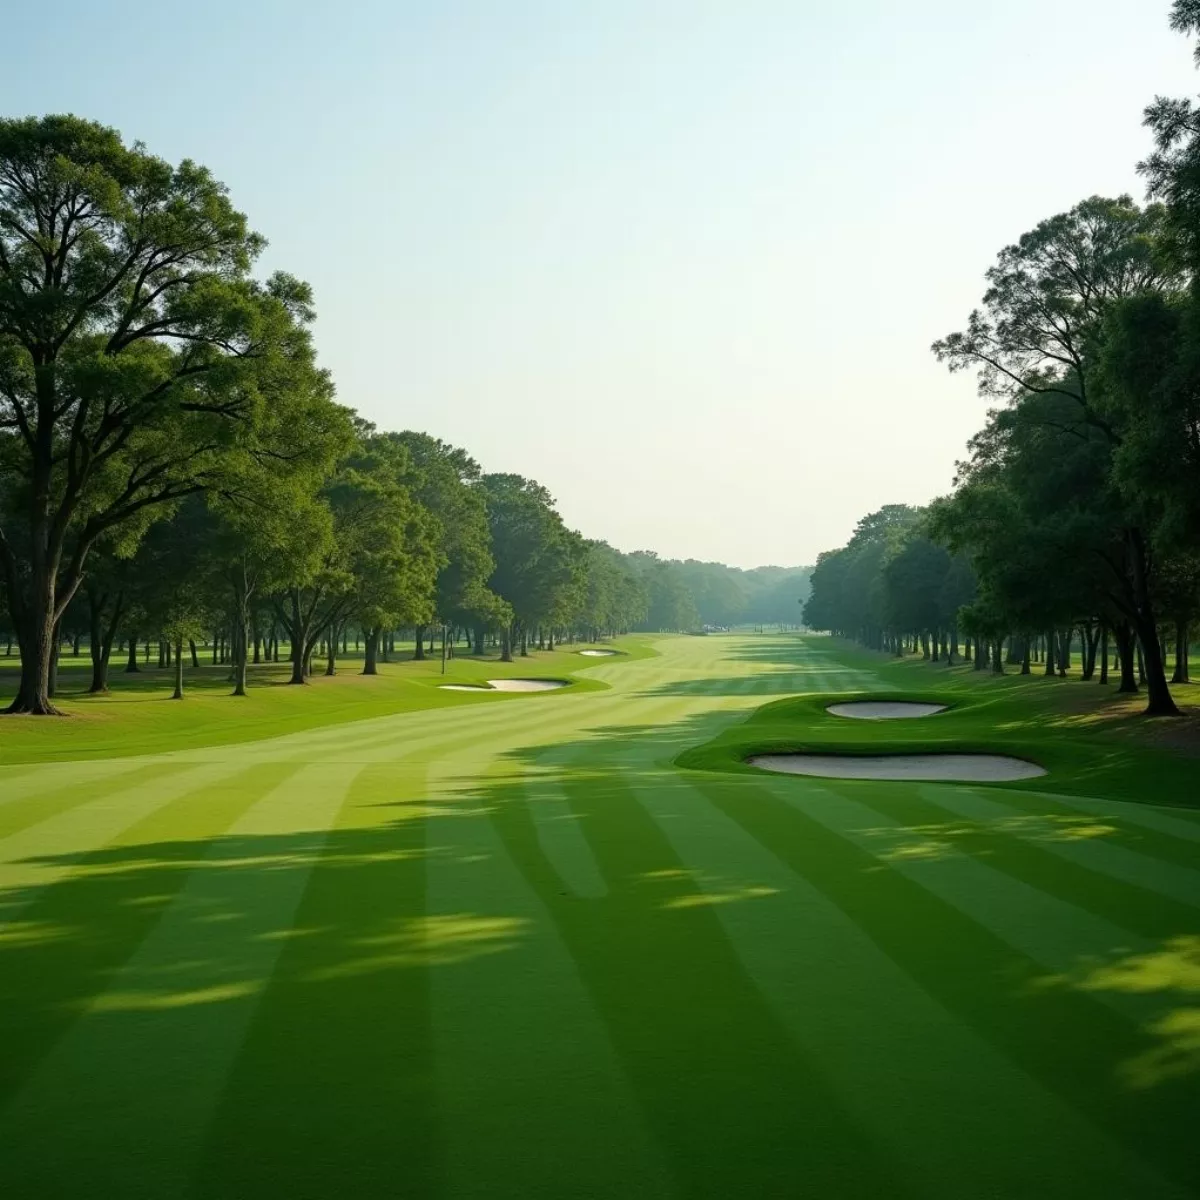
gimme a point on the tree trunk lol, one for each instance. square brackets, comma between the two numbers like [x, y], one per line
[1051, 653]
[1025, 667]
[419, 652]
[195, 655]
[177, 694]
[241, 656]
[1089, 640]
[100, 639]
[297, 634]
[52, 675]
[370, 663]
[480, 633]
[1124, 636]
[1158, 691]
[1104, 656]
[132, 664]
[998, 656]
[1182, 649]
[506, 654]
[331, 651]
[1159, 701]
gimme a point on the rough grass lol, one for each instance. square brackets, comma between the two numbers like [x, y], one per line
[505, 947]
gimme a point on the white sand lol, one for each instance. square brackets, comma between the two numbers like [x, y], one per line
[884, 710]
[598, 653]
[965, 768]
[505, 685]
[526, 685]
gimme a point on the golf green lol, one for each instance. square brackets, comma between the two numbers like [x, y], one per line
[511, 949]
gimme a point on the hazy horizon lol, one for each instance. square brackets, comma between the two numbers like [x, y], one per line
[681, 263]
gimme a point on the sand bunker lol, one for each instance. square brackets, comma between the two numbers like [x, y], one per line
[505, 685]
[526, 685]
[964, 768]
[599, 653]
[884, 710]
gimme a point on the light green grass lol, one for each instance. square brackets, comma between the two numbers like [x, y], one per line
[139, 716]
[507, 947]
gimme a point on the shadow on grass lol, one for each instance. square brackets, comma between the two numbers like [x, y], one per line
[334, 1081]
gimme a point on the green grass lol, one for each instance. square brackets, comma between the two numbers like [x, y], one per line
[509, 947]
[139, 716]
[1091, 740]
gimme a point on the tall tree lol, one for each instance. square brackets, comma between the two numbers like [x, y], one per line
[135, 350]
[1040, 333]
[445, 481]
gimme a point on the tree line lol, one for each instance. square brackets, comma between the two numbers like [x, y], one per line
[174, 464]
[1076, 517]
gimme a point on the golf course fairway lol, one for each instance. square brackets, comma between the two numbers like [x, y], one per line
[513, 948]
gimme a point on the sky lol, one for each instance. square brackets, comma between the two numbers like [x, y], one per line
[680, 262]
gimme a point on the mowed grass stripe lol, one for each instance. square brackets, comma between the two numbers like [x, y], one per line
[32, 809]
[1071, 1044]
[332, 1092]
[1145, 914]
[43, 853]
[919, 1079]
[1136, 827]
[70, 939]
[1071, 862]
[559, 835]
[138, 1076]
[302, 1006]
[31, 783]
[732, 1101]
[1046, 930]
[339, 1053]
[519, 1046]
[1181, 823]
[1181, 884]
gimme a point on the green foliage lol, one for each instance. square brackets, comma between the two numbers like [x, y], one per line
[140, 361]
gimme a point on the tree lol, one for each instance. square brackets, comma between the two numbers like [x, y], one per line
[1173, 169]
[532, 554]
[1040, 334]
[376, 555]
[445, 481]
[136, 352]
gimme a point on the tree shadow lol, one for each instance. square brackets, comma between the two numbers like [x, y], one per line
[320, 949]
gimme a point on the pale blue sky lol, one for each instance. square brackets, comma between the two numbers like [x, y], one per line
[681, 262]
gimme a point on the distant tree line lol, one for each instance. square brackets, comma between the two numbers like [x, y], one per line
[174, 466]
[1078, 508]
